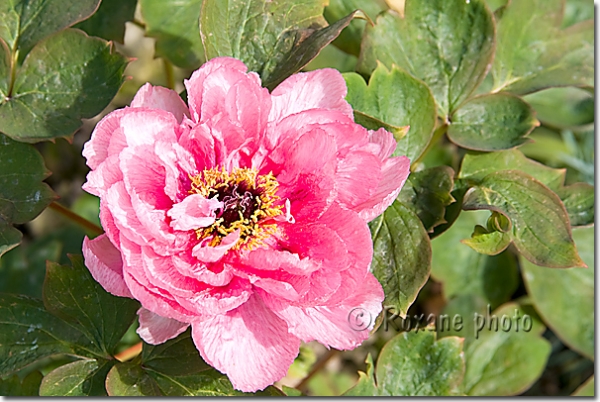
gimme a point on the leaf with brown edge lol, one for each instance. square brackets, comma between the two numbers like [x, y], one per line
[540, 225]
[565, 297]
[577, 198]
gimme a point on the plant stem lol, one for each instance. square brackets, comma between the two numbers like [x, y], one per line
[129, 353]
[316, 368]
[169, 74]
[138, 23]
[79, 220]
[13, 71]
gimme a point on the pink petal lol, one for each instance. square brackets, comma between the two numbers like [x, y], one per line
[319, 89]
[213, 274]
[207, 253]
[152, 97]
[153, 298]
[394, 172]
[356, 177]
[343, 325]
[201, 145]
[155, 329]
[104, 262]
[147, 126]
[385, 142]
[96, 150]
[100, 179]
[250, 344]
[218, 300]
[208, 86]
[194, 212]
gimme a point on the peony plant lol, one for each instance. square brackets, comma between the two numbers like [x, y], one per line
[244, 216]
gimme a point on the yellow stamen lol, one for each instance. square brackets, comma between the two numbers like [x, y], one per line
[259, 190]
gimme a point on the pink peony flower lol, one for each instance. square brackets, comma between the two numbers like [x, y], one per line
[244, 215]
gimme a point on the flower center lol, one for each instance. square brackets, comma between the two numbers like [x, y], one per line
[249, 203]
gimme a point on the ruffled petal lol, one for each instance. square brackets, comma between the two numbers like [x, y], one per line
[194, 212]
[212, 274]
[250, 344]
[208, 254]
[343, 325]
[106, 132]
[394, 173]
[104, 262]
[319, 89]
[208, 86]
[151, 97]
[155, 329]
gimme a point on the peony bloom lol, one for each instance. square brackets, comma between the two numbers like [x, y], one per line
[244, 215]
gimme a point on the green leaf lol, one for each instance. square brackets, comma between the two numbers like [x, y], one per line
[349, 40]
[130, 379]
[446, 43]
[533, 53]
[488, 242]
[578, 198]
[427, 192]
[13, 386]
[109, 20]
[496, 4]
[261, 33]
[414, 364]
[492, 122]
[79, 378]
[457, 317]
[173, 368]
[508, 353]
[23, 195]
[67, 77]
[563, 107]
[177, 356]
[289, 391]
[397, 99]
[178, 369]
[401, 255]
[565, 297]
[23, 269]
[29, 333]
[366, 381]
[476, 166]
[72, 294]
[464, 271]
[540, 224]
[5, 70]
[587, 389]
[23, 23]
[175, 25]
[579, 202]
[371, 123]
[305, 50]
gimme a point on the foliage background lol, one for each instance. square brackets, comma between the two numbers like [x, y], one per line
[500, 103]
